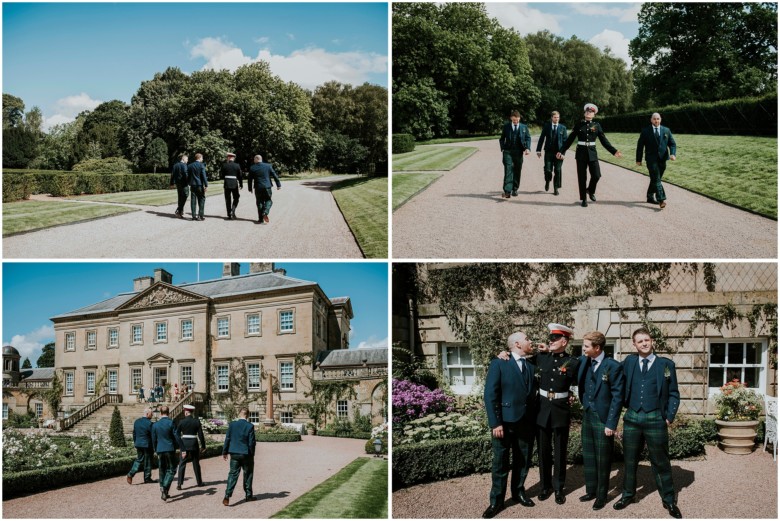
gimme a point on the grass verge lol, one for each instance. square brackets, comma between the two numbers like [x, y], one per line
[145, 197]
[738, 170]
[358, 491]
[25, 216]
[431, 158]
[363, 202]
[406, 186]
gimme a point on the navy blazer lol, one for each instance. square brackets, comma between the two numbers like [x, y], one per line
[656, 151]
[666, 379]
[610, 386]
[260, 175]
[142, 433]
[240, 438]
[197, 173]
[164, 435]
[179, 175]
[523, 137]
[551, 142]
[509, 394]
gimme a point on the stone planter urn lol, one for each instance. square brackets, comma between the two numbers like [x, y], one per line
[737, 437]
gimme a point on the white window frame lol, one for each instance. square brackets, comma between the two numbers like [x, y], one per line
[70, 341]
[286, 415]
[342, 409]
[86, 381]
[5, 411]
[70, 375]
[133, 382]
[133, 341]
[291, 330]
[93, 344]
[39, 410]
[161, 327]
[459, 389]
[249, 386]
[226, 376]
[115, 331]
[185, 380]
[286, 386]
[254, 417]
[259, 331]
[219, 333]
[762, 367]
[112, 389]
[182, 322]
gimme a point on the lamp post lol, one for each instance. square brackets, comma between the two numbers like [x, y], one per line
[378, 448]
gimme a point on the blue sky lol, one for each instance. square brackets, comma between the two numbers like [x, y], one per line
[69, 57]
[34, 292]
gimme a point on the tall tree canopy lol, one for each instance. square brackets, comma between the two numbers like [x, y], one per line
[704, 52]
[13, 110]
[47, 356]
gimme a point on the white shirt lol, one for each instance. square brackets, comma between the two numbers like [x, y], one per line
[517, 360]
[597, 361]
[650, 360]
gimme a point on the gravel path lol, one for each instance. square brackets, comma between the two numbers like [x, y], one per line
[462, 215]
[283, 472]
[719, 486]
[305, 223]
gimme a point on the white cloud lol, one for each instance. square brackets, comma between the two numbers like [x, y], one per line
[373, 342]
[66, 109]
[615, 41]
[219, 55]
[623, 14]
[262, 39]
[523, 18]
[30, 345]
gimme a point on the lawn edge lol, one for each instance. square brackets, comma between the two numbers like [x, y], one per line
[418, 192]
[131, 210]
[335, 199]
[473, 150]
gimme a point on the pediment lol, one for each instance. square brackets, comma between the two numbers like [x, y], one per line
[159, 358]
[161, 294]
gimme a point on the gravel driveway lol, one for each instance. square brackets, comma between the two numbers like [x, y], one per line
[718, 486]
[283, 472]
[305, 223]
[463, 216]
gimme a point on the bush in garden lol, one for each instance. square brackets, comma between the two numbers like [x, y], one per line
[412, 401]
[109, 165]
[403, 143]
[214, 425]
[116, 432]
[440, 426]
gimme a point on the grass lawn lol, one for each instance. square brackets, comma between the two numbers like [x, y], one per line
[359, 490]
[431, 158]
[145, 197]
[24, 216]
[363, 202]
[406, 186]
[739, 170]
[306, 175]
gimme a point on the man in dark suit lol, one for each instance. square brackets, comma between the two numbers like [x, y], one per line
[659, 145]
[260, 175]
[199, 182]
[586, 132]
[651, 400]
[240, 444]
[165, 444]
[180, 179]
[553, 137]
[190, 432]
[510, 402]
[515, 141]
[142, 440]
[600, 384]
[231, 175]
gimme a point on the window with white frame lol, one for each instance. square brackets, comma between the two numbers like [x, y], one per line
[90, 382]
[186, 329]
[342, 411]
[286, 376]
[5, 411]
[91, 339]
[286, 417]
[113, 337]
[70, 341]
[137, 332]
[161, 329]
[223, 327]
[743, 360]
[136, 379]
[254, 417]
[286, 321]
[222, 378]
[253, 324]
[459, 368]
[69, 378]
[186, 375]
[39, 410]
[253, 376]
[113, 376]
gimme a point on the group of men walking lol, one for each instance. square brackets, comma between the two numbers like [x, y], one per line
[192, 179]
[528, 399]
[164, 438]
[655, 142]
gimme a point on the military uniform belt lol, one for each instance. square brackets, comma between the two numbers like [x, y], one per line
[586, 143]
[189, 436]
[230, 177]
[550, 395]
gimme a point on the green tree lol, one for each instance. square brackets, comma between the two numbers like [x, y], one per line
[13, 111]
[704, 52]
[157, 154]
[420, 109]
[20, 146]
[47, 356]
[102, 132]
[27, 364]
[116, 432]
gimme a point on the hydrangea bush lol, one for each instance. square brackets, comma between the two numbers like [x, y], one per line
[213, 425]
[440, 426]
[412, 401]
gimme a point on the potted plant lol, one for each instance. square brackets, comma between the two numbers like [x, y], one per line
[310, 429]
[738, 408]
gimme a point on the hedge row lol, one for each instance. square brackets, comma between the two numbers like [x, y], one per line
[403, 143]
[20, 185]
[277, 436]
[742, 116]
[342, 434]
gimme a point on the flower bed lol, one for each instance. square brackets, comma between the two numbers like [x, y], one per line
[412, 401]
[277, 433]
[440, 426]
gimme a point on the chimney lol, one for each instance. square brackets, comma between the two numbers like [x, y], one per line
[141, 283]
[231, 269]
[160, 275]
[261, 267]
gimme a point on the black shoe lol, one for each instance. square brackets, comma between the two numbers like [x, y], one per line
[523, 499]
[547, 186]
[545, 494]
[164, 495]
[194, 217]
[587, 497]
[673, 510]
[150, 481]
[592, 197]
[491, 511]
[652, 201]
[202, 218]
[178, 487]
[251, 498]
[201, 484]
[514, 193]
[560, 498]
[584, 203]
[622, 503]
[555, 192]
[599, 504]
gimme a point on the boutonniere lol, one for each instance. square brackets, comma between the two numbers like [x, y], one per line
[605, 376]
[667, 373]
[538, 373]
[564, 367]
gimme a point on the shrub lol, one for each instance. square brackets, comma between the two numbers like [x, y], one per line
[277, 433]
[109, 165]
[440, 426]
[116, 431]
[441, 459]
[344, 434]
[403, 143]
[214, 425]
[361, 422]
[21, 421]
[412, 401]
[340, 154]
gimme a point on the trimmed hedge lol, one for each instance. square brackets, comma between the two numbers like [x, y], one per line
[342, 434]
[109, 165]
[20, 185]
[277, 436]
[403, 143]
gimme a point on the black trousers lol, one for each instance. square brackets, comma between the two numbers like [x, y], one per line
[553, 445]
[231, 193]
[512, 452]
[582, 173]
[194, 457]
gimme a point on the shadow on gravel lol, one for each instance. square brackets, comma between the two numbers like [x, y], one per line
[187, 217]
[323, 186]
[273, 495]
[188, 493]
[496, 197]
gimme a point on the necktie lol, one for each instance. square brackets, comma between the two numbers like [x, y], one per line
[595, 365]
[555, 127]
[656, 134]
[644, 365]
[521, 363]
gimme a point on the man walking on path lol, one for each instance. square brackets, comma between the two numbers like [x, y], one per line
[180, 179]
[651, 399]
[164, 442]
[231, 174]
[240, 444]
[142, 440]
[659, 145]
[190, 432]
[260, 175]
[553, 137]
[515, 141]
[198, 184]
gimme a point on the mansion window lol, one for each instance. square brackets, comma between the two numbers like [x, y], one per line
[341, 409]
[5, 411]
[286, 417]
[69, 383]
[137, 334]
[136, 379]
[253, 377]
[254, 417]
[186, 329]
[222, 378]
[459, 368]
[253, 324]
[70, 341]
[90, 382]
[161, 329]
[287, 321]
[223, 327]
[91, 339]
[39, 410]
[186, 375]
[743, 360]
[112, 380]
[113, 337]
[286, 376]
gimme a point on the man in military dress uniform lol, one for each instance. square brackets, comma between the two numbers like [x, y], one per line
[180, 179]
[659, 145]
[586, 132]
[260, 175]
[651, 399]
[231, 174]
[553, 137]
[165, 444]
[515, 141]
[190, 432]
[199, 182]
[142, 440]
